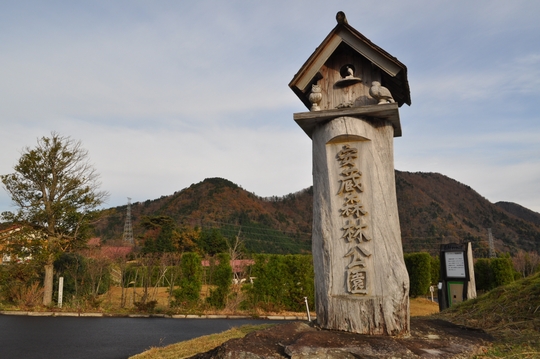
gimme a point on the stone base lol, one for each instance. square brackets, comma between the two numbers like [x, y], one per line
[298, 340]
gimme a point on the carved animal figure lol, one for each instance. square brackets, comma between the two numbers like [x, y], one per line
[315, 97]
[350, 72]
[380, 93]
[341, 18]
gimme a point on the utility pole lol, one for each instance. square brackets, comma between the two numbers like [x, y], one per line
[128, 229]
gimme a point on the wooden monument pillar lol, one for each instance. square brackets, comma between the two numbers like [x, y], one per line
[353, 89]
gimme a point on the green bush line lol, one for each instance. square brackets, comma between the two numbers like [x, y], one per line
[281, 281]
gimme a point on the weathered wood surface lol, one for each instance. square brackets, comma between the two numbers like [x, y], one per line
[377, 64]
[471, 283]
[357, 94]
[308, 121]
[378, 303]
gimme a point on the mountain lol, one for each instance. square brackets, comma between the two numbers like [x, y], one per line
[433, 209]
[271, 225]
[520, 212]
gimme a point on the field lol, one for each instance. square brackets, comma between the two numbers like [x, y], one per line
[418, 306]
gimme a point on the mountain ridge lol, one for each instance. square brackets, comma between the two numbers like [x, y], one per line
[434, 209]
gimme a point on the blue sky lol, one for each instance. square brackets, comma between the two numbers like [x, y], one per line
[166, 93]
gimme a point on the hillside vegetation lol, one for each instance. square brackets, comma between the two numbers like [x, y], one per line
[510, 313]
[433, 209]
[268, 225]
[520, 211]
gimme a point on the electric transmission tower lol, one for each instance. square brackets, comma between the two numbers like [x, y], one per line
[128, 229]
[491, 244]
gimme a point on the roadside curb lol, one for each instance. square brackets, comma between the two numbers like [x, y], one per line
[174, 316]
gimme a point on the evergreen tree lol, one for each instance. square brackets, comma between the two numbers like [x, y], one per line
[222, 278]
[55, 189]
[189, 290]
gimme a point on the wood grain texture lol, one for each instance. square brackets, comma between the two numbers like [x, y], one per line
[384, 309]
[310, 120]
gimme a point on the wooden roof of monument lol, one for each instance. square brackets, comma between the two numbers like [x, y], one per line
[394, 72]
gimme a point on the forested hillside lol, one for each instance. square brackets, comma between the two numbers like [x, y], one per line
[267, 225]
[433, 209]
[520, 211]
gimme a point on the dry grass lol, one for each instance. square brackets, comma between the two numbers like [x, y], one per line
[421, 307]
[198, 345]
[112, 298]
[418, 306]
[510, 313]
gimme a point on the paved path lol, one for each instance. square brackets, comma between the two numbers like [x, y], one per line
[69, 337]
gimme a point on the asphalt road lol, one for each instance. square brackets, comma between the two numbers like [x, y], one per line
[26, 337]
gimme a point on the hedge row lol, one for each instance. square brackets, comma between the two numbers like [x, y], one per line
[419, 268]
[281, 282]
[490, 273]
[424, 270]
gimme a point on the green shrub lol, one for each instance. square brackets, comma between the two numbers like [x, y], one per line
[282, 282]
[419, 268]
[482, 274]
[267, 289]
[190, 285]
[435, 269]
[503, 271]
[491, 273]
[300, 282]
[17, 281]
[222, 278]
[212, 242]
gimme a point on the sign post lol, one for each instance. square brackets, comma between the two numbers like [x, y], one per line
[60, 291]
[353, 90]
[457, 275]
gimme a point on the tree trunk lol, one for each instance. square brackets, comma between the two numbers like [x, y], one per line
[361, 281]
[48, 283]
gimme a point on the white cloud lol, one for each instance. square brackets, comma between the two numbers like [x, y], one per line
[164, 94]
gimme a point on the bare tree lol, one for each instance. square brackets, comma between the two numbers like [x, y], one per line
[172, 262]
[235, 251]
[526, 263]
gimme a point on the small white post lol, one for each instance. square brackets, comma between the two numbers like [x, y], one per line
[307, 309]
[432, 289]
[60, 291]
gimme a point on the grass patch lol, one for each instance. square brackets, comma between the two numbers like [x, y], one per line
[198, 345]
[420, 307]
[510, 313]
